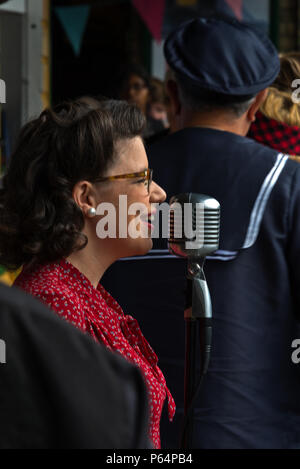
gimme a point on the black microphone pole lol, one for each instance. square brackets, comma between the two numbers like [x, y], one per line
[198, 320]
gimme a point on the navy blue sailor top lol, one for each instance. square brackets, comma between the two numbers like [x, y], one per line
[251, 395]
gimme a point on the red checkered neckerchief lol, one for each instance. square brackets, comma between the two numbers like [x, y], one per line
[274, 134]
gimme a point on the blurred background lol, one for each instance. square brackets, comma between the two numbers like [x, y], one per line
[51, 50]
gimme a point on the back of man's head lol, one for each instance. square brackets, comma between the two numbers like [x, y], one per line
[220, 64]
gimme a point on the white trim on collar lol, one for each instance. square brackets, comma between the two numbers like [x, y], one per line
[262, 199]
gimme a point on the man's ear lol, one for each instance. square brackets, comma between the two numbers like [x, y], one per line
[259, 99]
[172, 89]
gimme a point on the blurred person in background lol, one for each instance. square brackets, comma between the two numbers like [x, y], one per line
[67, 162]
[163, 109]
[157, 103]
[136, 89]
[277, 123]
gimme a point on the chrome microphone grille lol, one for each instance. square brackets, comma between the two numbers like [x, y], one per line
[194, 225]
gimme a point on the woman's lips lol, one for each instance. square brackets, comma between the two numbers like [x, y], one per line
[149, 220]
[150, 226]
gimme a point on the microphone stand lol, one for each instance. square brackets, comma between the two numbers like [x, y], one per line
[199, 316]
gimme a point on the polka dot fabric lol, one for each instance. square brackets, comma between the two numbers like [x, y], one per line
[71, 295]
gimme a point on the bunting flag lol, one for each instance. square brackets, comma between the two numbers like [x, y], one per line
[74, 20]
[152, 13]
[187, 3]
[237, 8]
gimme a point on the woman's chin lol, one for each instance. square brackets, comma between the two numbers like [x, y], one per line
[139, 247]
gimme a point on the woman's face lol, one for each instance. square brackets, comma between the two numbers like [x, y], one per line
[137, 92]
[132, 158]
[158, 111]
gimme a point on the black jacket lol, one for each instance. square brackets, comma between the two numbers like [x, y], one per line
[59, 389]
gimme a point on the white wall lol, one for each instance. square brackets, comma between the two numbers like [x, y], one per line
[17, 6]
[32, 69]
[158, 66]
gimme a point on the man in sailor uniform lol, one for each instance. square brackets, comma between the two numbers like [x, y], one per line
[251, 394]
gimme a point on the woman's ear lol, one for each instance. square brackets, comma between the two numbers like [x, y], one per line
[84, 196]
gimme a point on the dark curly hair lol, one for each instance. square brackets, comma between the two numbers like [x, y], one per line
[39, 219]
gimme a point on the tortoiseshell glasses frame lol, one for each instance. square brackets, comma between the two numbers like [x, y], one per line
[147, 174]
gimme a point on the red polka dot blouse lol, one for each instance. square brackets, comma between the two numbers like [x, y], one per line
[71, 295]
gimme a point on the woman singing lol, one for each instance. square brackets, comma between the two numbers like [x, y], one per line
[66, 164]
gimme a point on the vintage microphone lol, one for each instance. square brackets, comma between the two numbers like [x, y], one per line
[194, 227]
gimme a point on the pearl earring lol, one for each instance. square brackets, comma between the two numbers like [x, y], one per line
[92, 212]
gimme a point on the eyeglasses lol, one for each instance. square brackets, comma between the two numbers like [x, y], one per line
[146, 176]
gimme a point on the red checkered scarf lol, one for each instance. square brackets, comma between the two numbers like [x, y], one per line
[274, 134]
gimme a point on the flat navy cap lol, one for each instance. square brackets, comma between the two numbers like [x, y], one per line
[223, 56]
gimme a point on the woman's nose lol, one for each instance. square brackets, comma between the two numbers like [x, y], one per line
[157, 194]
